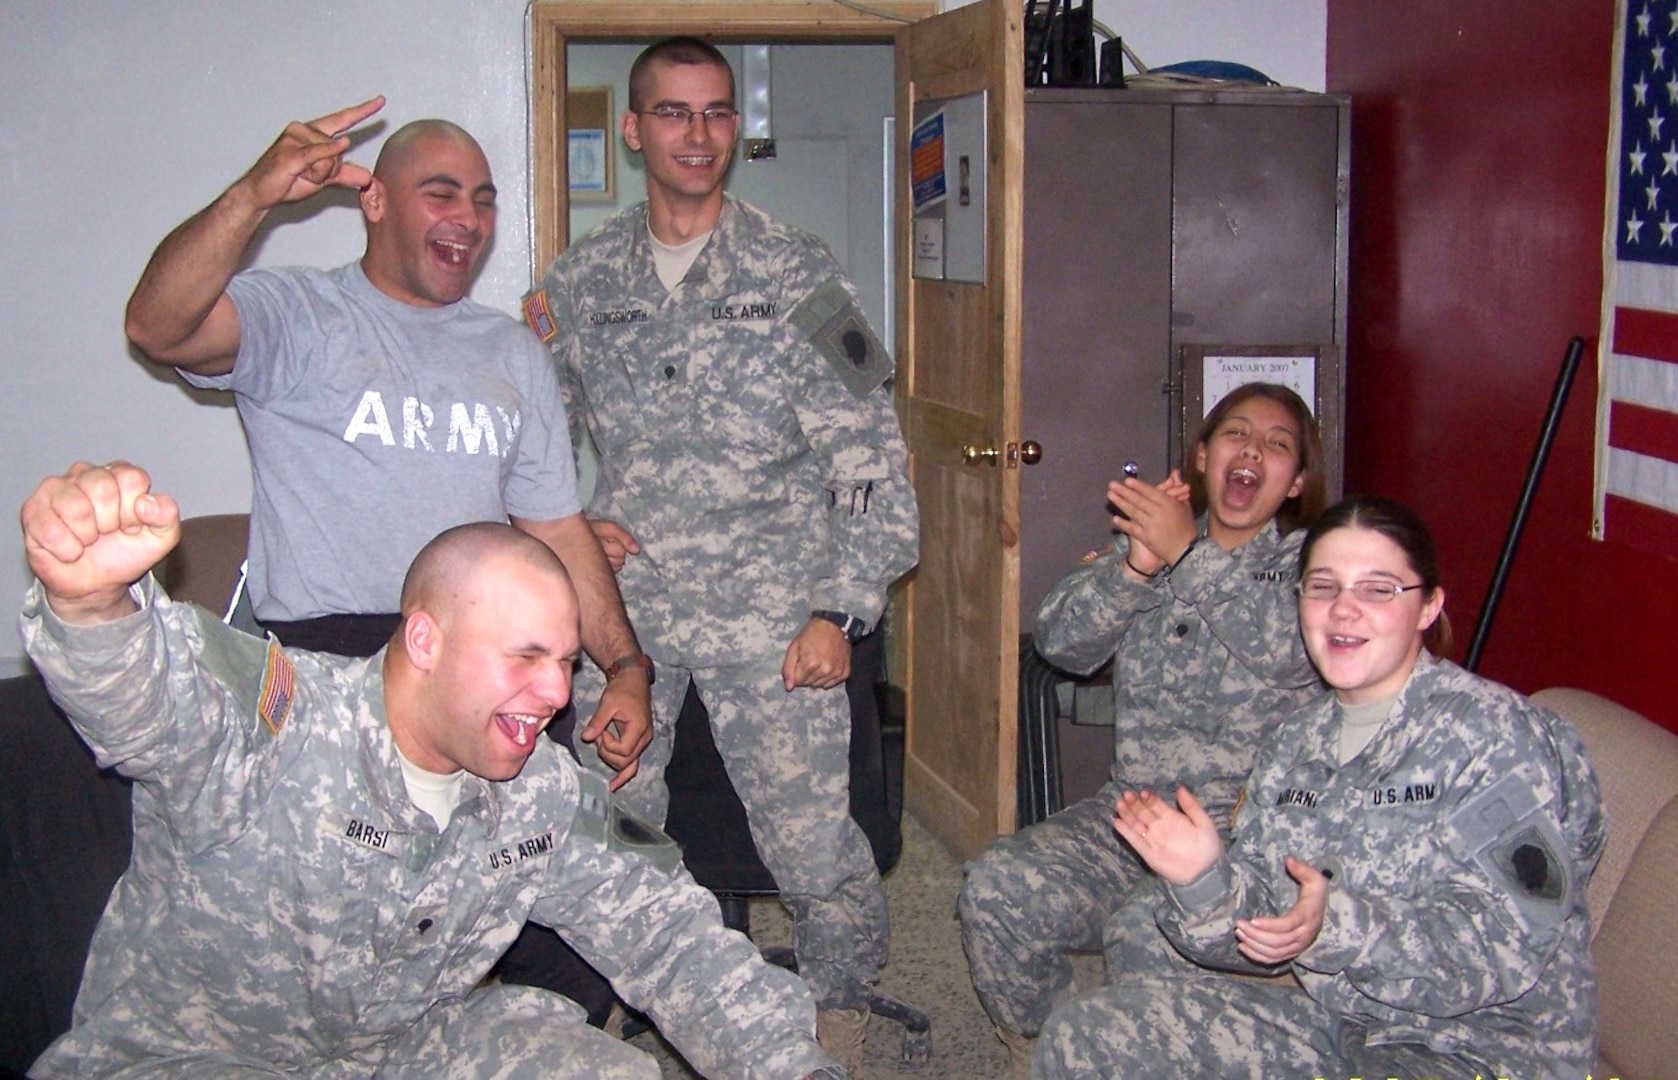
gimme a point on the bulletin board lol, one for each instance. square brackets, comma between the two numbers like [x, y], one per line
[589, 144]
[947, 161]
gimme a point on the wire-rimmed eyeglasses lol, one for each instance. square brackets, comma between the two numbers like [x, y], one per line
[680, 116]
[1368, 592]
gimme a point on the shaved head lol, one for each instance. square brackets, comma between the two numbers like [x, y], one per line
[398, 150]
[449, 566]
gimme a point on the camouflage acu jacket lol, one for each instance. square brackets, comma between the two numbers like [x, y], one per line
[288, 903]
[745, 428]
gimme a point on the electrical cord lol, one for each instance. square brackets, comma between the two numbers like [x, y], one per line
[1107, 32]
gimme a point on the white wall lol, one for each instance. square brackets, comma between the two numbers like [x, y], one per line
[117, 121]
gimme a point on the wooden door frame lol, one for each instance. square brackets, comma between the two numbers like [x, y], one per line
[555, 23]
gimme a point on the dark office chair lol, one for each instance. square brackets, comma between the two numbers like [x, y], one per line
[64, 841]
[65, 825]
[708, 820]
[1065, 740]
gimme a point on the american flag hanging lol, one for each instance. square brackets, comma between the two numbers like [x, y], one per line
[1637, 405]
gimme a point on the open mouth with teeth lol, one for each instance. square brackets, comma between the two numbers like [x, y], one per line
[1241, 486]
[520, 729]
[452, 252]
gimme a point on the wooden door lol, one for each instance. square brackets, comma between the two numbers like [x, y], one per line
[958, 354]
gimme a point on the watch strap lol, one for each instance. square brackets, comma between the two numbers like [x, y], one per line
[852, 627]
[633, 660]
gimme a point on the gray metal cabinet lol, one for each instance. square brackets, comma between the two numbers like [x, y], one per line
[1159, 225]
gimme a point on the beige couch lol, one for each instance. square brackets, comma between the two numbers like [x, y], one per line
[1634, 895]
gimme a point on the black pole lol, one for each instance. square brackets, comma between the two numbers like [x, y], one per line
[1558, 399]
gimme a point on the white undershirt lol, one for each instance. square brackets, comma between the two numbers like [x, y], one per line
[673, 263]
[436, 793]
[1359, 724]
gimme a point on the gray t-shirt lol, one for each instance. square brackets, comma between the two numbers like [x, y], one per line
[374, 425]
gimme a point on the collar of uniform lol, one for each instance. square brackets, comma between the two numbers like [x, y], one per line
[1391, 743]
[635, 255]
[1204, 567]
[1265, 540]
[382, 767]
[711, 275]
[1424, 679]
[1320, 733]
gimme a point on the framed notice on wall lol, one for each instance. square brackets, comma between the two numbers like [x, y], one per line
[1207, 372]
[588, 142]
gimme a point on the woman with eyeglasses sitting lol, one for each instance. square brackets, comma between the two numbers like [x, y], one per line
[1414, 847]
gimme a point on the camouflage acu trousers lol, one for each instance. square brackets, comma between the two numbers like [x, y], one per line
[1212, 1025]
[788, 756]
[1163, 1015]
[1035, 897]
[497, 1033]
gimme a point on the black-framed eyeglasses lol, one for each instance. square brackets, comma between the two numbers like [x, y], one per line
[1368, 592]
[679, 116]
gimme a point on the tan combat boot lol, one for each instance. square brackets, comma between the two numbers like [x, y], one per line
[843, 1033]
[1019, 1053]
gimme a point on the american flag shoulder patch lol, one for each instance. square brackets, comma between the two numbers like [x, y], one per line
[537, 316]
[279, 685]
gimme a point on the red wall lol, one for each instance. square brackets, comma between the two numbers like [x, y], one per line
[1479, 130]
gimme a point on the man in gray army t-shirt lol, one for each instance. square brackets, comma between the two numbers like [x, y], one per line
[329, 853]
[381, 404]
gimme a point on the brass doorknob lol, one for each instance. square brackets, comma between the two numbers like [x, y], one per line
[1028, 452]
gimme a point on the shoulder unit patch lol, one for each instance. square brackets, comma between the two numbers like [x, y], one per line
[836, 326]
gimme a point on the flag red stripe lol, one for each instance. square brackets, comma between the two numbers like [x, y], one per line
[1651, 334]
[1647, 528]
[1643, 430]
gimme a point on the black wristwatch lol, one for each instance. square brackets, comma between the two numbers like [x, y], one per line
[852, 627]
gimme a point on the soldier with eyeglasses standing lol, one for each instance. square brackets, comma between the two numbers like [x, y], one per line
[752, 495]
